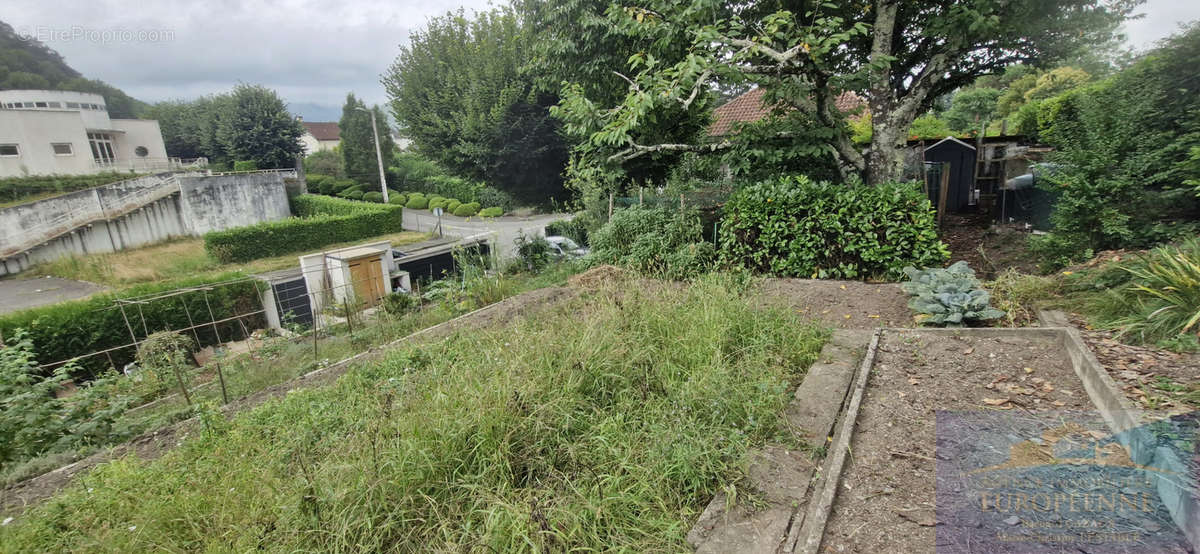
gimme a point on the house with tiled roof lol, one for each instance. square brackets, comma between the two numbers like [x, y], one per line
[750, 107]
[320, 135]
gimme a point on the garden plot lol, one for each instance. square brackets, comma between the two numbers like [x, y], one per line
[941, 430]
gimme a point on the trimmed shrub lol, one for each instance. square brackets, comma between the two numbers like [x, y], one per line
[795, 227]
[376, 197]
[494, 211]
[437, 202]
[76, 327]
[452, 204]
[245, 165]
[465, 210]
[416, 202]
[16, 188]
[352, 194]
[654, 241]
[474, 205]
[321, 221]
[398, 199]
[343, 184]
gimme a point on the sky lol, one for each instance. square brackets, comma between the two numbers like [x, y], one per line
[312, 52]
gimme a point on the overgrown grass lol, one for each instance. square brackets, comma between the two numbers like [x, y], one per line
[1149, 298]
[175, 259]
[557, 432]
[1020, 295]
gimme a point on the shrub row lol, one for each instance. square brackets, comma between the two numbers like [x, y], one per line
[321, 221]
[796, 227]
[17, 188]
[67, 329]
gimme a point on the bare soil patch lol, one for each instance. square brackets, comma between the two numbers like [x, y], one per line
[1152, 378]
[152, 445]
[886, 500]
[841, 304]
[987, 247]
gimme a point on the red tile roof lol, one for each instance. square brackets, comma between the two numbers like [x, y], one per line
[323, 130]
[749, 107]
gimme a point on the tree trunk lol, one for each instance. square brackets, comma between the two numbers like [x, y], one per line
[885, 161]
[888, 124]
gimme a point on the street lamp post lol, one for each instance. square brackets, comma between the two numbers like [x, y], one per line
[378, 154]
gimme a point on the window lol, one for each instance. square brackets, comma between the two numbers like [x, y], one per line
[62, 149]
[141, 151]
[102, 147]
[57, 105]
[40, 104]
[9, 150]
[73, 105]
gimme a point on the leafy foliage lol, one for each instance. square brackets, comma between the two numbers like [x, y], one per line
[1119, 145]
[250, 122]
[533, 251]
[324, 162]
[493, 211]
[466, 210]
[574, 229]
[971, 107]
[654, 241]
[321, 220]
[458, 89]
[18, 188]
[952, 296]
[800, 228]
[358, 143]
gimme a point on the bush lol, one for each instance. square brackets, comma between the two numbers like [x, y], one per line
[494, 211]
[491, 196]
[376, 197]
[417, 203]
[73, 328]
[534, 251]
[351, 194]
[952, 297]
[321, 221]
[453, 187]
[574, 229]
[17, 188]
[437, 202]
[245, 165]
[465, 210]
[452, 204]
[795, 227]
[398, 199]
[343, 184]
[650, 240]
[400, 303]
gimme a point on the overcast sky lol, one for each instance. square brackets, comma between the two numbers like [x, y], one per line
[312, 52]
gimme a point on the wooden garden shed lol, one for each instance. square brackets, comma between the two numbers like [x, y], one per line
[961, 158]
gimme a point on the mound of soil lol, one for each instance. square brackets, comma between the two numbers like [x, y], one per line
[987, 247]
[598, 277]
[841, 304]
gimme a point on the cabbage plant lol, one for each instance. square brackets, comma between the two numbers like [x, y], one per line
[951, 297]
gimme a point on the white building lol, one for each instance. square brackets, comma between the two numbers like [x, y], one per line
[320, 136]
[55, 132]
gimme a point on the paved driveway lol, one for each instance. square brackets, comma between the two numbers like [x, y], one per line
[505, 228]
[19, 294]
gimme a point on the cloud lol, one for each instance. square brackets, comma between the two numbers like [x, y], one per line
[311, 52]
[1162, 18]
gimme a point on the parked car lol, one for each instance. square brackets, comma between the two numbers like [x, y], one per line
[563, 247]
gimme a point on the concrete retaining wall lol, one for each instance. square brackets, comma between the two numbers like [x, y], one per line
[196, 206]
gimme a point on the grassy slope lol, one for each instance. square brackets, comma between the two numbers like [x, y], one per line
[176, 259]
[603, 432]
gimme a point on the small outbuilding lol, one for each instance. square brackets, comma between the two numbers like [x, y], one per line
[959, 159]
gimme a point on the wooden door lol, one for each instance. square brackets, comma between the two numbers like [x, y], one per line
[367, 276]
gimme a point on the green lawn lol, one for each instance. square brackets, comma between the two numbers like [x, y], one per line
[605, 423]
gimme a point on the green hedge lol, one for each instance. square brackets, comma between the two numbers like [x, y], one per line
[245, 165]
[17, 188]
[465, 210]
[417, 202]
[67, 329]
[452, 204]
[398, 199]
[795, 227]
[320, 221]
[494, 211]
[376, 197]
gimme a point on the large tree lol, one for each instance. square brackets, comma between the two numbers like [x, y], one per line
[901, 55]
[358, 146]
[255, 125]
[460, 93]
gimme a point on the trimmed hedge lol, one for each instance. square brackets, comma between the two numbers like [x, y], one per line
[351, 194]
[494, 211]
[376, 197]
[17, 188]
[437, 203]
[322, 220]
[452, 204]
[75, 327]
[795, 227]
[465, 210]
[398, 199]
[417, 202]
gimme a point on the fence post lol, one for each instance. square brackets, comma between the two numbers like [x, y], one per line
[610, 205]
[221, 379]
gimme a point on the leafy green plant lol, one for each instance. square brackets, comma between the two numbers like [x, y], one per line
[1165, 291]
[952, 296]
[574, 229]
[494, 211]
[796, 227]
[376, 197]
[465, 210]
[245, 165]
[656, 241]
[533, 251]
[17, 188]
[417, 202]
[398, 199]
[400, 303]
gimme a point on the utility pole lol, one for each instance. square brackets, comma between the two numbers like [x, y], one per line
[378, 154]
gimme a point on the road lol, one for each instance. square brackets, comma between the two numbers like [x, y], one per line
[506, 228]
[20, 294]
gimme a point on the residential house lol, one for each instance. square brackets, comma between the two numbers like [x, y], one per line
[55, 132]
[750, 107]
[320, 136]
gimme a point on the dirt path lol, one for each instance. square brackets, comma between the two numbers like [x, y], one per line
[842, 304]
[149, 446]
[930, 416]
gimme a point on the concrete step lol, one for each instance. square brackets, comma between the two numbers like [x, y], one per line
[770, 503]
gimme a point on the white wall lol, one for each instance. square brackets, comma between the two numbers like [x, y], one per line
[33, 132]
[227, 201]
[138, 132]
[318, 266]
